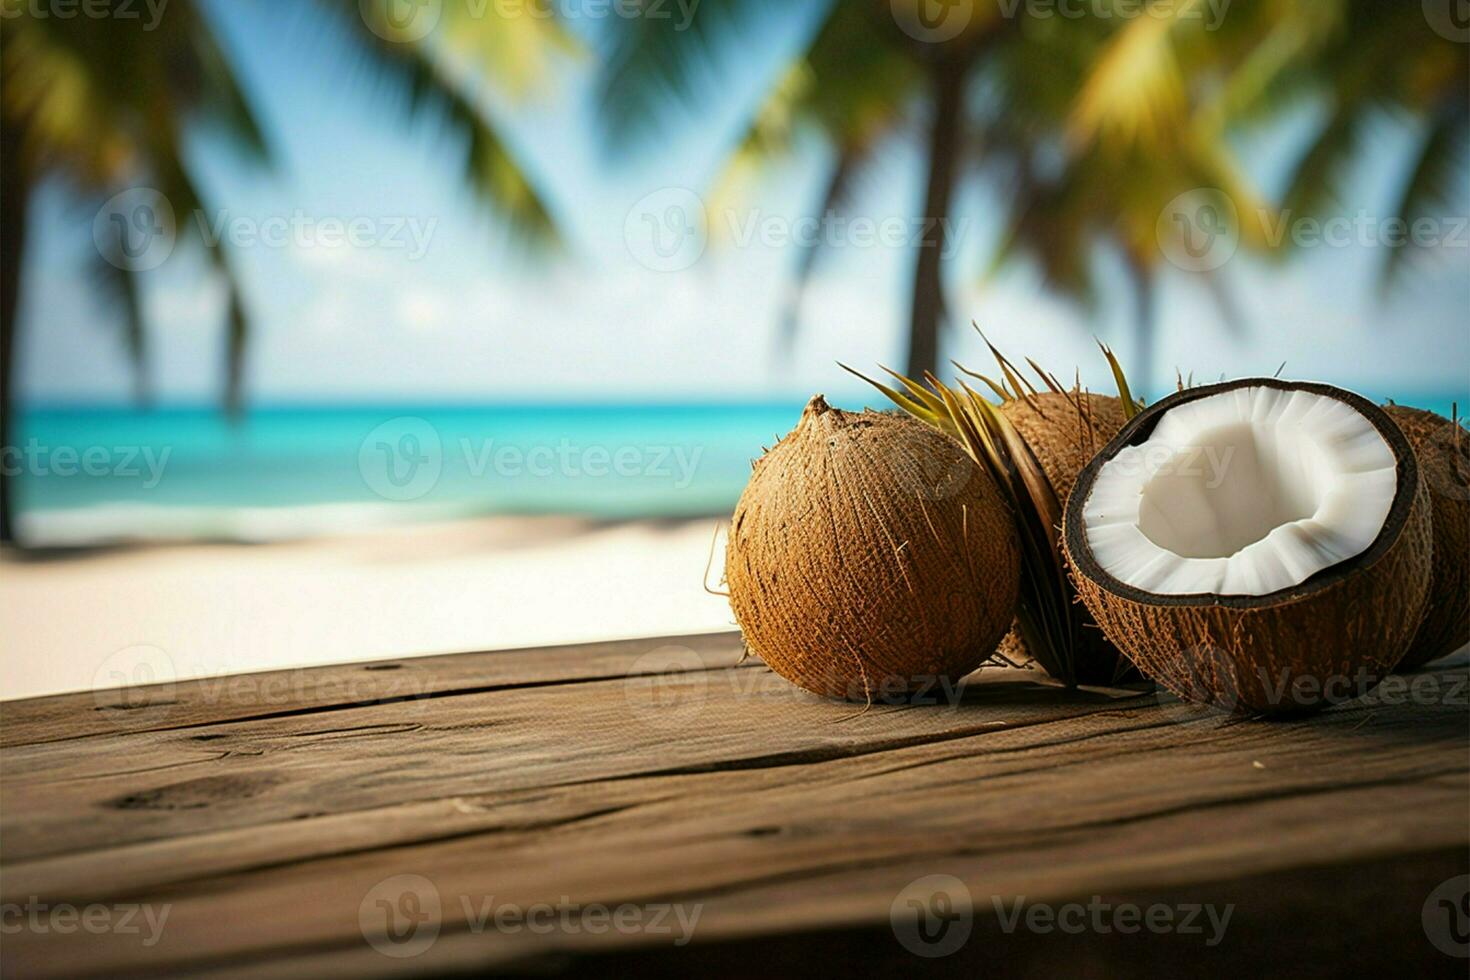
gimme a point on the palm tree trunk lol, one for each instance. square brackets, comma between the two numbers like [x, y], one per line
[945, 138]
[15, 193]
[1145, 326]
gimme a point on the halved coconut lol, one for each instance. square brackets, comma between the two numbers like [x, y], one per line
[1443, 451]
[1261, 545]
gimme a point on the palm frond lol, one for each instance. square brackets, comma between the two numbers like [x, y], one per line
[441, 76]
[1431, 186]
[653, 62]
[1136, 88]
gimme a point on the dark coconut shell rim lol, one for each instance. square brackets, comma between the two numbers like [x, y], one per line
[1142, 425]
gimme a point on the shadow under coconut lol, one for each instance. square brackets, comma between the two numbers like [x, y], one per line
[1010, 687]
[1428, 706]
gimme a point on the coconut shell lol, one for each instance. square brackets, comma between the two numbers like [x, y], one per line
[869, 556]
[1064, 431]
[1443, 451]
[1327, 639]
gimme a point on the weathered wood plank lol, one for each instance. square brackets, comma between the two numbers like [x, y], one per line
[775, 812]
[64, 796]
[277, 693]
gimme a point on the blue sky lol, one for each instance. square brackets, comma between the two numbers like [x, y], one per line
[476, 319]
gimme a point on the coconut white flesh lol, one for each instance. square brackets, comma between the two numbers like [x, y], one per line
[1246, 492]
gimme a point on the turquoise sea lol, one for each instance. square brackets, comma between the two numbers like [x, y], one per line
[90, 474]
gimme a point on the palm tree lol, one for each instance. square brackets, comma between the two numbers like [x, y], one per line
[1138, 114]
[101, 104]
[1096, 122]
[867, 74]
[1158, 100]
[1371, 61]
[1089, 141]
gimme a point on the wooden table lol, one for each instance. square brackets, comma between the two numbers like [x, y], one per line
[278, 819]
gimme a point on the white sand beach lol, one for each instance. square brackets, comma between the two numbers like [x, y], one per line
[86, 620]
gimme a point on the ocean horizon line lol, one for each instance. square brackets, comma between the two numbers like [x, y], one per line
[1429, 396]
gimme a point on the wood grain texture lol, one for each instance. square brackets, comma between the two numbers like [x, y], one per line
[265, 815]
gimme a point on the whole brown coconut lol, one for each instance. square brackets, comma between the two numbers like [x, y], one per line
[1443, 451]
[1064, 431]
[1326, 639]
[869, 556]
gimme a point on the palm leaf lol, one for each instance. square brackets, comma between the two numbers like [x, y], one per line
[1136, 87]
[1435, 179]
[653, 62]
[439, 83]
